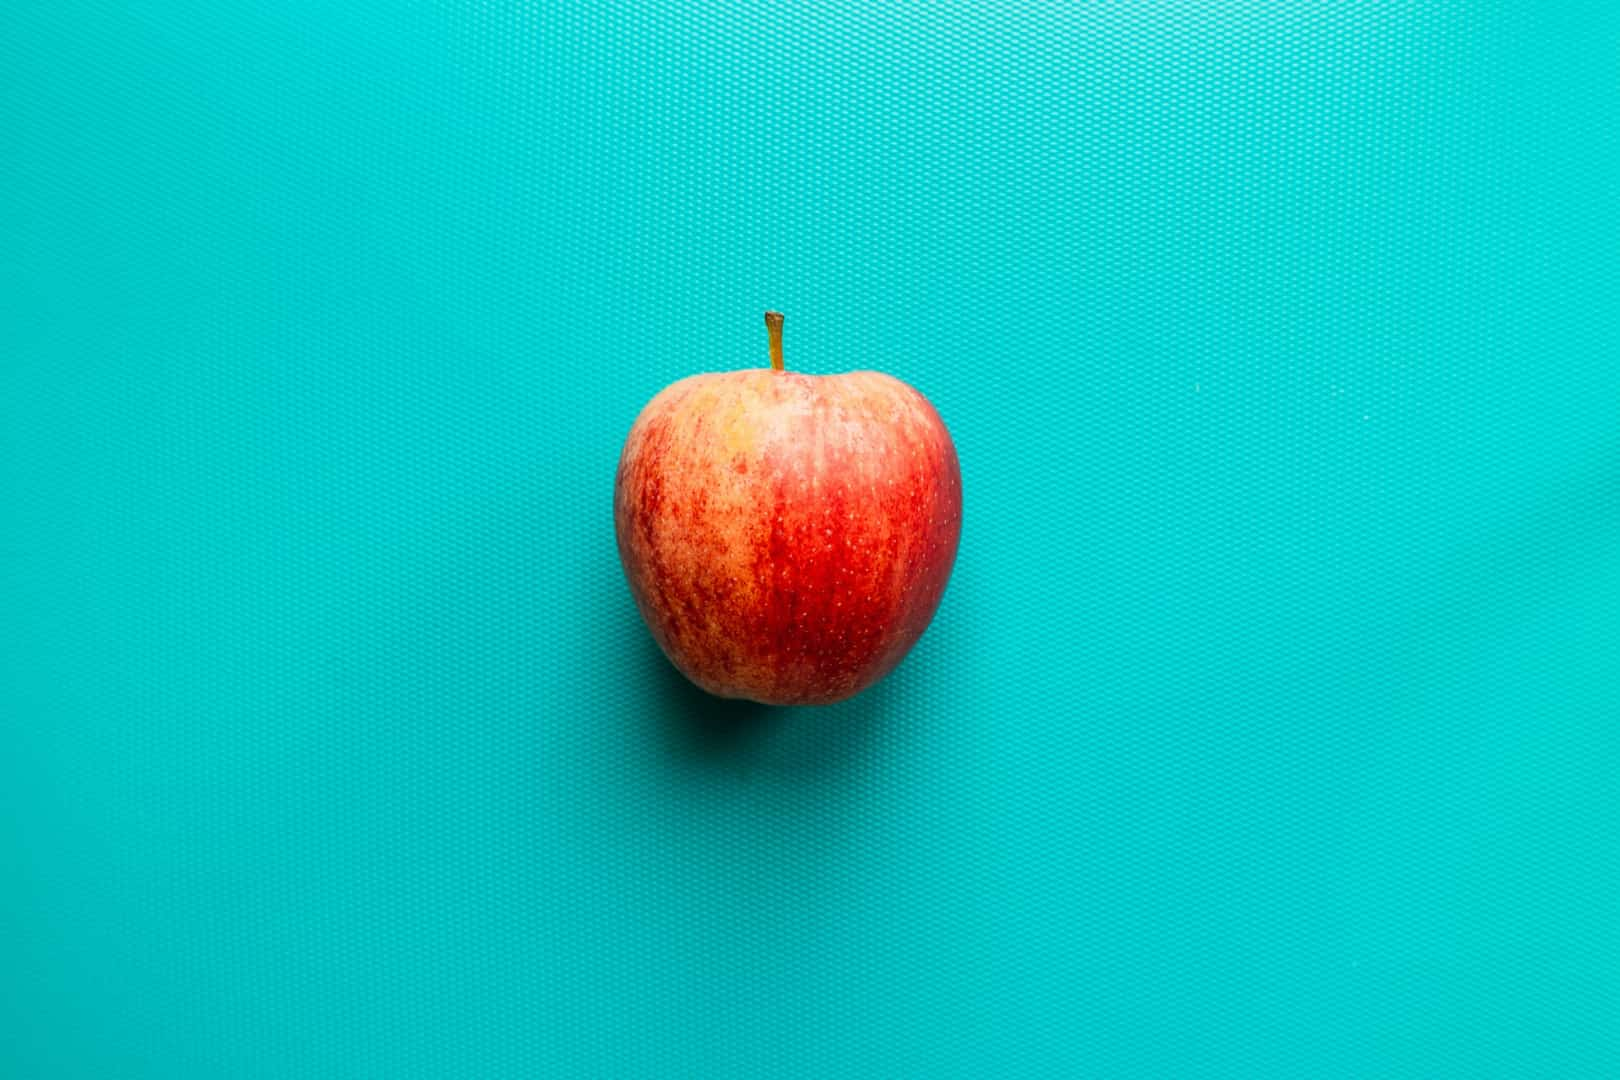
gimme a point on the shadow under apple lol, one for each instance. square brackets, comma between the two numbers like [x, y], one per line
[701, 724]
[705, 731]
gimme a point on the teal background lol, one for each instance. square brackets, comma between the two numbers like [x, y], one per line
[1270, 725]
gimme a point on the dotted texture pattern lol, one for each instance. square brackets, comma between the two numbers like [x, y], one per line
[1268, 726]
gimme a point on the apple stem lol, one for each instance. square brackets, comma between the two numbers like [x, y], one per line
[773, 323]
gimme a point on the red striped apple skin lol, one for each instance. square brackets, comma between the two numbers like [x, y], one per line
[787, 537]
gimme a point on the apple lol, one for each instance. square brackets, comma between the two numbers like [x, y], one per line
[787, 537]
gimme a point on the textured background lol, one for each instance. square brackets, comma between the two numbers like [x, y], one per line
[1270, 727]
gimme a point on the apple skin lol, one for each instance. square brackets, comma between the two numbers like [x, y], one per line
[787, 537]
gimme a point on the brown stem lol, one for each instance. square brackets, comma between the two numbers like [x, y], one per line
[773, 323]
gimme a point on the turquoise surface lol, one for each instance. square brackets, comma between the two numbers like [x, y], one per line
[1270, 726]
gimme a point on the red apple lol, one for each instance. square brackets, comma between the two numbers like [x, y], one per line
[787, 537]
